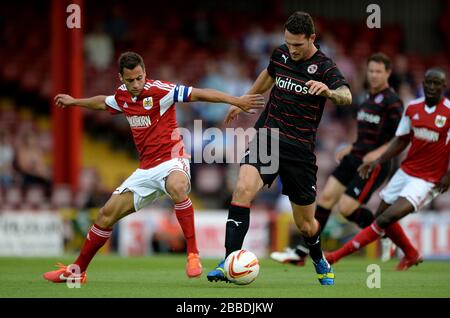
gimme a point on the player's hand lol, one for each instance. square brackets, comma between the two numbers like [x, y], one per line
[443, 184]
[64, 100]
[232, 114]
[366, 168]
[318, 88]
[249, 103]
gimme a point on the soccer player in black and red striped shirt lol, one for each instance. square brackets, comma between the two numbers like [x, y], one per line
[302, 78]
[378, 117]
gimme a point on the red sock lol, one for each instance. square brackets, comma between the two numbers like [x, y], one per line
[364, 237]
[95, 239]
[398, 236]
[185, 215]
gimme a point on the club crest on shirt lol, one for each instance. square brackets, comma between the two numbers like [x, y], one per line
[148, 102]
[379, 98]
[312, 69]
[440, 121]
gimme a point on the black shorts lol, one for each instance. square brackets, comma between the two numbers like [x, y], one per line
[360, 189]
[295, 166]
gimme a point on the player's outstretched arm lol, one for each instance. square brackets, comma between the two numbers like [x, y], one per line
[376, 153]
[247, 103]
[339, 96]
[95, 103]
[261, 85]
[396, 146]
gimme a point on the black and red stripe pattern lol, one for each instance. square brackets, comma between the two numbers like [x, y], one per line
[378, 117]
[291, 108]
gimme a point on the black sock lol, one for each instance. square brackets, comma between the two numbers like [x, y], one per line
[302, 249]
[363, 217]
[315, 249]
[237, 226]
[322, 216]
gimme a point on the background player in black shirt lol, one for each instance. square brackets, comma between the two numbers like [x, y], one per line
[378, 117]
[302, 78]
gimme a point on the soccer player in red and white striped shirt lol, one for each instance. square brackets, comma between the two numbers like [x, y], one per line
[149, 106]
[422, 175]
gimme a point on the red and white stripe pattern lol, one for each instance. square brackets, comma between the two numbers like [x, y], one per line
[183, 205]
[164, 86]
[99, 232]
[377, 229]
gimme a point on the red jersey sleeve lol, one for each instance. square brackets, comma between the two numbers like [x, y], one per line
[113, 107]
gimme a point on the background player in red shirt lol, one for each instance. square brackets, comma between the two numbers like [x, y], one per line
[164, 169]
[422, 175]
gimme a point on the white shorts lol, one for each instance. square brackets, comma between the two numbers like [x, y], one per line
[417, 191]
[148, 185]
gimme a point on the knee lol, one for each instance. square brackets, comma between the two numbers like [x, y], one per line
[243, 193]
[345, 209]
[383, 220]
[326, 200]
[307, 227]
[179, 189]
[105, 217]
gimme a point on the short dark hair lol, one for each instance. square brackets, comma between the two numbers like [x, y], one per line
[300, 23]
[130, 60]
[380, 58]
[435, 69]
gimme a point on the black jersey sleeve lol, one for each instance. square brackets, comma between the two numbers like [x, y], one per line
[271, 67]
[333, 77]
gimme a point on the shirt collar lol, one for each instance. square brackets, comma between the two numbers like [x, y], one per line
[429, 109]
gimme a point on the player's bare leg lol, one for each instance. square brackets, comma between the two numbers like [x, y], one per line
[331, 193]
[248, 184]
[347, 205]
[118, 206]
[177, 185]
[352, 210]
[310, 229]
[387, 246]
[386, 222]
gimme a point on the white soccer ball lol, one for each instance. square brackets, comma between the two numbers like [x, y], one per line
[241, 267]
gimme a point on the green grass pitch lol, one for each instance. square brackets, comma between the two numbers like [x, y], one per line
[164, 277]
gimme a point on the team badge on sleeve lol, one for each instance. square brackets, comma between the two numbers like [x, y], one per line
[148, 103]
[440, 121]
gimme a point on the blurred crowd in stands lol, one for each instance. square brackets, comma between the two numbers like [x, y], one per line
[203, 49]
